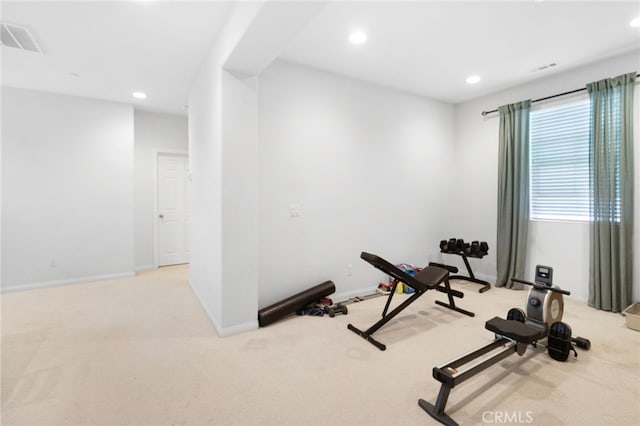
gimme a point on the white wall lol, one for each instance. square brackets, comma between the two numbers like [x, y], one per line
[153, 133]
[565, 246]
[206, 164]
[368, 167]
[239, 199]
[223, 144]
[67, 189]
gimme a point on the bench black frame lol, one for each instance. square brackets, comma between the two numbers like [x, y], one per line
[430, 278]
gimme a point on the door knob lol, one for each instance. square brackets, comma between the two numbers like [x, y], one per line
[161, 215]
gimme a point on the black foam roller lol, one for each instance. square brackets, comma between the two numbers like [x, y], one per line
[287, 306]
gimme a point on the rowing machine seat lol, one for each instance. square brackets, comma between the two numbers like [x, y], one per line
[516, 330]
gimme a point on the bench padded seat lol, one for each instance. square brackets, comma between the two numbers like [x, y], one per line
[431, 276]
[515, 330]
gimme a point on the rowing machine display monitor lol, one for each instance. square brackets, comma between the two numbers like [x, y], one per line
[544, 275]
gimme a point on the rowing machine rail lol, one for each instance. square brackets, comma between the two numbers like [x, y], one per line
[514, 335]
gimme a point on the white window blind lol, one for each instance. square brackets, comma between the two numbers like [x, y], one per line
[559, 162]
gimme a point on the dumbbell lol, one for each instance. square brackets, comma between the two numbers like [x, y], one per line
[484, 248]
[452, 245]
[337, 309]
[475, 248]
[443, 245]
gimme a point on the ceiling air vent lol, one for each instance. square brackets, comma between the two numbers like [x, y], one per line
[545, 67]
[19, 38]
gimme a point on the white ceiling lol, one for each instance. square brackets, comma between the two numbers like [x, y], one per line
[114, 47]
[424, 47]
[431, 47]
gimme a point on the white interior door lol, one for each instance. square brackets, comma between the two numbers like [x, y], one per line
[174, 188]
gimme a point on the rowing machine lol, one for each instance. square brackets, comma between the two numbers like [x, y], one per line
[544, 306]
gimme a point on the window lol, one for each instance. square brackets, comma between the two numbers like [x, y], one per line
[559, 162]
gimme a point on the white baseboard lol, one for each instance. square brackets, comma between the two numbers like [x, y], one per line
[488, 278]
[339, 297]
[224, 331]
[581, 299]
[206, 310]
[145, 268]
[239, 328]
[58, 283]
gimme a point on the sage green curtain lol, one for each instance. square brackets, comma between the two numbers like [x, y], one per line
[513, 193]
[611, 168]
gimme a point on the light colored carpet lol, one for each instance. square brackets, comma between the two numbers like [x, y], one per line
[141, 351]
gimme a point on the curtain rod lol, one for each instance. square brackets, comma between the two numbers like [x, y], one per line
[570, 92]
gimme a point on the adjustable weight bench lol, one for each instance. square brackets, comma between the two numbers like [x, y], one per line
[430, 278]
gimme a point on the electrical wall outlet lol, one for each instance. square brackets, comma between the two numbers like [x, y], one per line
[295, 210]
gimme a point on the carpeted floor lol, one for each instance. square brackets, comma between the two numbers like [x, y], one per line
[141, 351]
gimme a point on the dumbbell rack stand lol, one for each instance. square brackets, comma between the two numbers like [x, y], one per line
[471, 278]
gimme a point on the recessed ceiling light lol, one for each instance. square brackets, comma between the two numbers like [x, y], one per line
[357, 37]
[635, 22]
[473, 79]
[139, 95]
